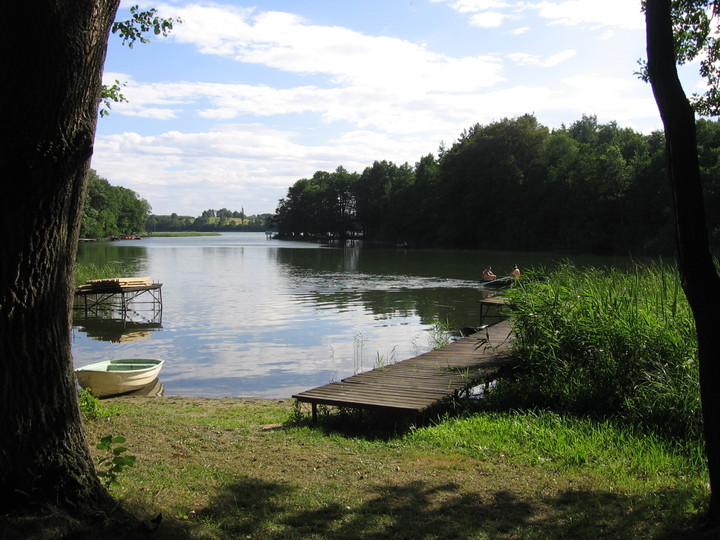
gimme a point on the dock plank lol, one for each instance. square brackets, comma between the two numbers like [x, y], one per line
[415, 384]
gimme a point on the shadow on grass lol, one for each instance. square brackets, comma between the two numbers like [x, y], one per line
[257, 509]
[371, 424]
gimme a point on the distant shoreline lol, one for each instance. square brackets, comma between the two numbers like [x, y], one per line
[188, 233]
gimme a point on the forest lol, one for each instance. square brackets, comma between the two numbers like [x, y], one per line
[513, 184]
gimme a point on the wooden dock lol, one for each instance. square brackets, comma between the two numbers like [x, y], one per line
[98, 297]
[415, 384]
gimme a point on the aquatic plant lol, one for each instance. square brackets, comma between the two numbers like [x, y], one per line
[439, 334]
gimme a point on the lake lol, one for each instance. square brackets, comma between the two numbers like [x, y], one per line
[244, 315]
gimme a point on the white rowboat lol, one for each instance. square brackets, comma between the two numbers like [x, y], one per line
[111, 377]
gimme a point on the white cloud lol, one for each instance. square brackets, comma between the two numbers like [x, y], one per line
[473, 6]
[488, 19]
[559, 58]
[526, 59]
[598, 14]
[608, 13]
[286, 42]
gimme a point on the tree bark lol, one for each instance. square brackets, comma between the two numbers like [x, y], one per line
[700, 280]
[52, 55]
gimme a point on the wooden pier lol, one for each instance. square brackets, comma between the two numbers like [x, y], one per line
[415, 384]
[100, 297]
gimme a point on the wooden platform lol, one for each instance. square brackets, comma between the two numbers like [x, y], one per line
[116, 285]
[415, 384]
[101, 298]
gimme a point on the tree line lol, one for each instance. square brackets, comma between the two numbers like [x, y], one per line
[222, 220]
[513, 184]
[116, 211]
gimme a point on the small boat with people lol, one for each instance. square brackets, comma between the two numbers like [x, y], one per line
[119, 376]
[492, 282]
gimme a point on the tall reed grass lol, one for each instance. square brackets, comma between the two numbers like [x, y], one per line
[606, 343]
[85, 271]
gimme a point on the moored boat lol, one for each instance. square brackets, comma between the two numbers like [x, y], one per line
[498, 283]
[112, 377]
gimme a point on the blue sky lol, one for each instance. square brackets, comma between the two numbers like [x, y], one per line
[245, 98]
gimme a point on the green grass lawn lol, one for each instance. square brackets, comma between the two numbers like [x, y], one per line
[253, 468]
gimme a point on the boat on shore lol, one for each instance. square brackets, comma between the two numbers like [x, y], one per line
[120, 376]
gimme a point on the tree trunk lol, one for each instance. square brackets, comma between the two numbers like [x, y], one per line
[52, 55]
[700, 280]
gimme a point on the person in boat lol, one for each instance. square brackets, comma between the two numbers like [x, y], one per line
[488, 274]
[516, 272]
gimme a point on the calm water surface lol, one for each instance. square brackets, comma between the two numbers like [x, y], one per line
[247, 316]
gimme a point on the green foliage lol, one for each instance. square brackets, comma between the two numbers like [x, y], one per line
[114, 461]
[510, 185]
[605, 343]
[696, 40]
[91, 407]
[320, 206]
[695, 28]
[108, 94]
[111, 210]
[140, 24]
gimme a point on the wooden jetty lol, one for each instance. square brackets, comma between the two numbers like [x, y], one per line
[415, 384]
[98, 296]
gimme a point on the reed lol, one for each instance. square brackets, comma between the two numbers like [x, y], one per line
[87, 270]
[606, 343]
[439, 334]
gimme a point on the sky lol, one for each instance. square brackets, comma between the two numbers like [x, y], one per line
[245, 98]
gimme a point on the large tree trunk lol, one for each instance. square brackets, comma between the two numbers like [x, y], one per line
[52, 55]
[700, 280]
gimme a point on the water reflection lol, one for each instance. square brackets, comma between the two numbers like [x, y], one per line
[154, 388]
[115, 330]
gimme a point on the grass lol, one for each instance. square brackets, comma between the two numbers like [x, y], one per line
[247, 468]
[85, 271]
[178, 234]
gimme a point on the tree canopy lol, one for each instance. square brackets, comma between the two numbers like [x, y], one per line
[111, 210]
[512, 184]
